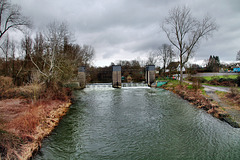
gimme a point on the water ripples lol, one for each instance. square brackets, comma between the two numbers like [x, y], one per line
[139, 124]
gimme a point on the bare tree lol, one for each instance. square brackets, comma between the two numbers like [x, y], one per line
[185, 32]
[53, 56]
[27, 49]
[152, 58]
[165, 54]
[39, 44]
[87, 54]
[13, 49]
[5, 49]
[238, 56]
[39, 49]
[11, 17]
[50, 51]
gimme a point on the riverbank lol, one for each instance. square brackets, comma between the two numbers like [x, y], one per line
[199, 98]
[24, 125]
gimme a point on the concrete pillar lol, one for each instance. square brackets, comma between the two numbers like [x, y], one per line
[146, 74]
[82, 77]
[150, 74]
[116, 77]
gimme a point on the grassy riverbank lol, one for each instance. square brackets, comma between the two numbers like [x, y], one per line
[209, 78]
[197, 96]
[222, 80]
[27, 115]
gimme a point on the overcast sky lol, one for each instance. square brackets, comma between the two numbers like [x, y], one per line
[129, 29]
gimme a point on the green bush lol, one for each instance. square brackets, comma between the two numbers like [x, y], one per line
[238, 81]
[199, 79]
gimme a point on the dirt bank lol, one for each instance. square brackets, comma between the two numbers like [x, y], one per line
[23, 125]
[197, 98]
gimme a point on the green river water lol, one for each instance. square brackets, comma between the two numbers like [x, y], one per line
[138, 124]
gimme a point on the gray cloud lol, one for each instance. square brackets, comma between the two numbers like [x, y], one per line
[123, 29]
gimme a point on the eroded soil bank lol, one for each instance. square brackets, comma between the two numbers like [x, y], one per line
[23, 125]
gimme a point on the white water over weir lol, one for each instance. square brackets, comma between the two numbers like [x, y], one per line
[109, 85]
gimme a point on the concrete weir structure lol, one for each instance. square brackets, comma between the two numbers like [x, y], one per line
[150, 74]
[116, 76]
[82, 77]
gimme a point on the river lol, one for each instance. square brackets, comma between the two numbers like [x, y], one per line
[138, 123]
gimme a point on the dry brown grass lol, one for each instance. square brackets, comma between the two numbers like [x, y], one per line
[5, 84]
[234, 97]
[22, 122]
[24, 92]
[33, 92]
[22, 110]
[26, 123]
[28, 119]
[9, 144]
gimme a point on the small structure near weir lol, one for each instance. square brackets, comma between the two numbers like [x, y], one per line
[150, 74]
[82, 77]
[116, 76]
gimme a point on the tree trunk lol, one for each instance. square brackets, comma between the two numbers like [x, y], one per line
[6, 65]
[13, 68]
[181, 72]
[164, 69]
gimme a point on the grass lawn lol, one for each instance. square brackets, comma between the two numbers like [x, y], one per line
[213, 85]
[208, 78]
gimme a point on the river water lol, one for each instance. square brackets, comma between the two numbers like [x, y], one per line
[139, 123]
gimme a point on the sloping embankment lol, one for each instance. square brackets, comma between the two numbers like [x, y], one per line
[22, 133]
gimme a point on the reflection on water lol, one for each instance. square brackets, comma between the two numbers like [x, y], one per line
[139, 123]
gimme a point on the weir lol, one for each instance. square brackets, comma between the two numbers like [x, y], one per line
[134, 85]
[109, 85]
[117, 78]
[99, 85]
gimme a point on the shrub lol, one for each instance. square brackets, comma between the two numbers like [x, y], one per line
[238, 81]
[27, 92]
[234, 95]
[234, 92]
[5, 84]
[215, 78]
[56, 91]
[223, 82]
[197, 83]
[199, 79]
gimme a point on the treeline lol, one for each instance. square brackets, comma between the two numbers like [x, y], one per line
[132, 71]
[49, 57]
[46, 58]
